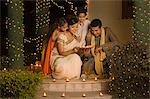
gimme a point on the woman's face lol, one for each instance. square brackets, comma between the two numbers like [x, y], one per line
[64, 27]
[73, 28]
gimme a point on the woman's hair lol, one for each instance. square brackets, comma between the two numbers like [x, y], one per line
[95, 23]
[72, 20]
[61, 21]
[81, 10]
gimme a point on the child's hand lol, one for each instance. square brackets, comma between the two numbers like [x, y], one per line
[76, 49]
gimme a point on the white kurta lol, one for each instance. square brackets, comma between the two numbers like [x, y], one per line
[82, 31]
[66, 66]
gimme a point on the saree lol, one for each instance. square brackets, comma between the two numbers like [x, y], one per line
[66, 66]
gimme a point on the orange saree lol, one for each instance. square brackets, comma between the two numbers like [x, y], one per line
[46, 54]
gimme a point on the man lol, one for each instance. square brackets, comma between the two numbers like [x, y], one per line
[102, 40]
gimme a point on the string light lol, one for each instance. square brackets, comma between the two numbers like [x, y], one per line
[61, 7]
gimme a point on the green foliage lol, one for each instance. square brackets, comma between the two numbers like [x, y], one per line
[19, 83]
[130, 65]
[4, 62]
[142, 21]
[15, 29]
[130, 68]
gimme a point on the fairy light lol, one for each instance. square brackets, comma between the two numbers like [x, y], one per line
[13, 25]
[61, 7]
[141, 10]
[42, 14]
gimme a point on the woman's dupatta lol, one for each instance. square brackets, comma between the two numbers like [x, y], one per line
[99, 57]
[46, 56]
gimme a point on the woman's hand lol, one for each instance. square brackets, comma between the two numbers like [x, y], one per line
[86, 51]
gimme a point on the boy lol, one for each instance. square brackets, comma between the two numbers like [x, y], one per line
[83, 25]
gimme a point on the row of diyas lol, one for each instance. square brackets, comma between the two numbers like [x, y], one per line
[67, 79]
[63, 94]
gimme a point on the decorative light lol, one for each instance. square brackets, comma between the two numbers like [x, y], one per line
[54, 80]
[44, 94]
[83, 80]
[63, 95]
[67, 80]
[83, 95]
[101, 94]
[31, 66]
[95, 78]
[4, 68]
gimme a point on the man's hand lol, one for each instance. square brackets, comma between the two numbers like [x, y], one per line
[98, 50]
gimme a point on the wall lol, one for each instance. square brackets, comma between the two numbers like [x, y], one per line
[110, 12]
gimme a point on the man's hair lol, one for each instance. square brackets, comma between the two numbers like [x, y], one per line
[95, 23]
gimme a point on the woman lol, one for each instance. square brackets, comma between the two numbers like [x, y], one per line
[66, 64]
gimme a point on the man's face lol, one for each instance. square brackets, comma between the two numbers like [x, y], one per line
[96, 31]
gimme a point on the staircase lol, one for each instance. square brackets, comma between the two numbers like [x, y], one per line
[74, 89]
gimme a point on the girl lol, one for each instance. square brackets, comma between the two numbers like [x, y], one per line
[59, 27]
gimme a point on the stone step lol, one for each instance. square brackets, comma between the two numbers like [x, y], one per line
[73, 95]
[75, 85]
